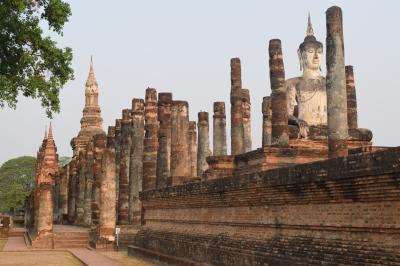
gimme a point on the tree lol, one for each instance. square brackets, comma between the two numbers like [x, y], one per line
[17, 177]
[30, 63]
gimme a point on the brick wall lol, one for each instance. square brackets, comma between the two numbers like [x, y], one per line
[344, 210]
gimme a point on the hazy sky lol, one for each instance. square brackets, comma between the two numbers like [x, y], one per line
[185, 47]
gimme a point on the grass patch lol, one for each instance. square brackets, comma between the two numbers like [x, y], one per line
[38, 258]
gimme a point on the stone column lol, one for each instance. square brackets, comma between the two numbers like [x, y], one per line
[351, 98]
[236, 108]
[108, 189]
[164, 140]
[180, 156]
[279, 130]
[123, 202]
[336, 84]
[136, 164]
[203, 150]
[89, 179]
[72, 185]
[81, 183]
[150, 141]
[117, 143]
[267, 115]
[219, 129]
[99, 146]
[193, 148]
[246, 110]
[45, 212]
[64, 192]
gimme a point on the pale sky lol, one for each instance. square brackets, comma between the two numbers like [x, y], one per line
[184, 47]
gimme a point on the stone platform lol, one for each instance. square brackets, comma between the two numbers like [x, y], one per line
[62, 237]
[336, 211]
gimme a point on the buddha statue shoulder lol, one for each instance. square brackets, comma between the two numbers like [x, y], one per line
[306, 94]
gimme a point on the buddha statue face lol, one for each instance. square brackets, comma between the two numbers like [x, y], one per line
[310, 58]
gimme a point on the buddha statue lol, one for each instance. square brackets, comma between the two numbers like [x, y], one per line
[306, 95]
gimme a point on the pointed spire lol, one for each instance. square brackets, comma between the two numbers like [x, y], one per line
[310, 31]
[91, 78]
[45, 132]
[50, 134]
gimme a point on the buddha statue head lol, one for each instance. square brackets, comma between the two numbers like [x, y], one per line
[310, 54]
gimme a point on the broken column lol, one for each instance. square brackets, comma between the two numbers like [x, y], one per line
[203, 150]
[136, 164]
[89, 179]
[164, 140]
[72, 185]
[125, 150]
[99, 141]
[117, 143]
[108, 189]
[180, 157]
[219, 129]
[236, 108]
[81, 183]
[351, 98]
[45, 212]
[279, 130]
[336, 84]
[246, 110]
[63, 200]
[266, 128]
[150, 141]
[193, 148]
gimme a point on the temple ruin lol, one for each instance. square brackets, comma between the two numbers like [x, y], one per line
[316, 192]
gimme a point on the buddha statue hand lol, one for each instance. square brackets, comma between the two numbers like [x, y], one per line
[301, 124]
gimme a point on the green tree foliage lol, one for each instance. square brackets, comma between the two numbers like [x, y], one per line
[63, 160]
[16, 182]
[30, 63]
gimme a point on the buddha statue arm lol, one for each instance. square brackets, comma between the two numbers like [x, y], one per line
[291, 103]
[291, 97]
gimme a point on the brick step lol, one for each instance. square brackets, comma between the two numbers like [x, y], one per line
[73, 234]
[70, 246]
[71, 238]
[14, 234]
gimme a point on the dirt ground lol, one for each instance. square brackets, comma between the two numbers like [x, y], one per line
[38, 258]
[2, 243]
